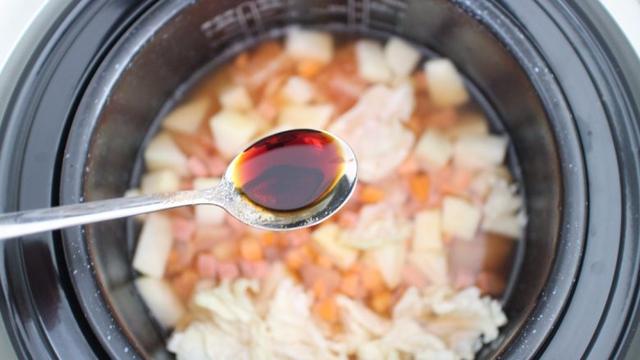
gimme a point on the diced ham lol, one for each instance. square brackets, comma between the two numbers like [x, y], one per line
[463, 279]
[254, 269]
[182, 228]
[298, 237]
[412, 276]
[206, 265]
[197, 167]
[228, 270]
[193, 145]
[216, 165]
[347, 219]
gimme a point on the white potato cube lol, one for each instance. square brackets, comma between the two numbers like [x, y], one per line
[202, 183]
[372, 65]
[161, 300]
[433, 264]
[390, 260]
[509, 225]
[209, 215]
[306, 116]
[154, 245]
[187, 117]
[427, 231]
[309, 44]
[460, 218]
[480, 151]
[232, 131]
[469, 124]
[433, 150]
[159, 182]
[297, 90]
[502, 200]
[327, 237]
[401, 57]
[163, 154]
[132, 193]
[235, 97]
[444, 83]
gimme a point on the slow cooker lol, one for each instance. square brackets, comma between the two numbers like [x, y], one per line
[557, 75]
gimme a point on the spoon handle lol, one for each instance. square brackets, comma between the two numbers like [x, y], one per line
[35, 221]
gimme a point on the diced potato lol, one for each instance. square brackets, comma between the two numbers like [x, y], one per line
[327, 238]
[509, 225]
[203, 183]
[459, 218]
[235, 98]
[297, 90]
[306, 116]
[444, 83]
[502, 200]
[372, 65]
[309, 44]
[373, 350]
[132, 193]
[480, 151]
[433, 150]
[401, 57]
[187, 118]
[161, 300]
[502, 211]
[427, 231]
[433, 264]
[469, 124]
[163, 154]
[232, 131]
[390, 259]
[159, 182]
[209, 215]
[154, 245]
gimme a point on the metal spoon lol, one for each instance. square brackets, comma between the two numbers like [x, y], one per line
[225, 195]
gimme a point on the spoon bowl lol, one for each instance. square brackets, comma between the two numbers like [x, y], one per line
[248, 212]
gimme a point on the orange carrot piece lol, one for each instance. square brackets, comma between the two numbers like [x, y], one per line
[371, 194]
[320, 289]
[372, 279]
[184, 284]
[324, 261]
[294, 259]
[308, 68]
[225, 250]
[250, 249]
[268, 238]
[351, 286]
[241, 60]
[326, 310]
[381, 302]
[419, 185]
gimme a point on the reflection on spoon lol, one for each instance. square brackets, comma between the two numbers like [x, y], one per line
[288, 180]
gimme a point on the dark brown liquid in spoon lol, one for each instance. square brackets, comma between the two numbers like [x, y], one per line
[289, 171]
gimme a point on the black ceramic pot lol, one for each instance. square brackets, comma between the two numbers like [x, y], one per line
[556, 75]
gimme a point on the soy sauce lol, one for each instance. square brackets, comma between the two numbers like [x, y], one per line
[290, 170]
